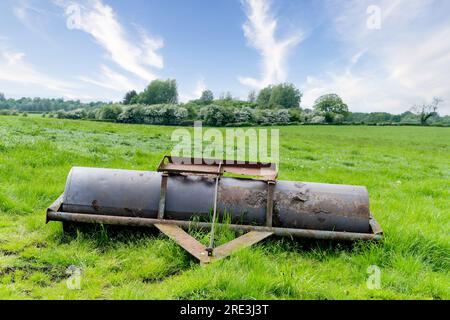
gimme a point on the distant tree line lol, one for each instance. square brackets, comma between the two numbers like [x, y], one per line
[273, 105]
[44, 105]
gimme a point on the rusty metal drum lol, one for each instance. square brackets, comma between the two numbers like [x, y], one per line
[302, 205]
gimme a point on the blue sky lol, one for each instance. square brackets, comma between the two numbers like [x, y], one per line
[379, 55]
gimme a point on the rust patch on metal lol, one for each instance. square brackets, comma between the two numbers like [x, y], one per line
[95, 205]
[235, 196]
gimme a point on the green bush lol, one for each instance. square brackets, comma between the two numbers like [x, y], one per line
[6, 112]
[239, 124]
[168, 114]
[244, 114]
[187, 123]
[214, 115]
[110, 112]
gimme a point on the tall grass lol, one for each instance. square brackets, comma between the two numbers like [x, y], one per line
[405, 169]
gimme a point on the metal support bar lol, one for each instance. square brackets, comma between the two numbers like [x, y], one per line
[239, 243]
[375, 226]
[147, 222]
[162, 198]
[210, 248]
[269, 210]
[186, 241]
[55, 206]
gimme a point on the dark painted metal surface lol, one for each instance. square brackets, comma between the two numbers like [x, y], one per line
[297, 205]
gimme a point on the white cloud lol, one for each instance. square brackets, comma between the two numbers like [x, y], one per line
[33, 18]
[407, 61]
[20, 78]
[200, 86]
[14, 68]
[112, 80]
[260, 31]
[100, 21]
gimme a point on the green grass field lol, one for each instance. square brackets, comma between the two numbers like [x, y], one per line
[406, 170]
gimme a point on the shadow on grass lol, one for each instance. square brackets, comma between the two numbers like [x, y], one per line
[108, 236]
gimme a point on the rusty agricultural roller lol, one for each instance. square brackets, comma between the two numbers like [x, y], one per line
[181, 189]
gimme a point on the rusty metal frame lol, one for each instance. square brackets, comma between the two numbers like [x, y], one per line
[204, 166]
[171, 165]
[201, 253]
[174, 228]
[210, 248]
[54, 213]
[186, 241]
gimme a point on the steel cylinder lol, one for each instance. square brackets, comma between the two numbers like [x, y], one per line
[302, 205]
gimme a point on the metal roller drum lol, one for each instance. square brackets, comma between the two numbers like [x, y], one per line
[296, 205]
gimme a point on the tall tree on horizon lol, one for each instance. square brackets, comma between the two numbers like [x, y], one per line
[129, 96]
[158, 92]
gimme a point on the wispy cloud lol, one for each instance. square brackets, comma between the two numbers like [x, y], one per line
[14, 68]
[196, 93]
[133, 61]
[260, 31]
[25, 79]
[112, 80]
[100, 21]
[35, 19]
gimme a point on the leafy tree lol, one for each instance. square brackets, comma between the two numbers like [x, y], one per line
[266, 116]
[234, 103]
[426, 111]
[243, 115]
[227, 96]
[330, 105]
[192, 108]
[129, 96]
[215, 115]
[282, 116]
[164, 114]
[251, 96]
[110, 112]
[158, 92]
[409, 118]
[173, 114]
[43, 104]
[132, 114]
[318, 119]
[90, 114]
[264, 97]
[61, 114]
[295, 115]
[2, 97]
[207, 97]
[284, 95]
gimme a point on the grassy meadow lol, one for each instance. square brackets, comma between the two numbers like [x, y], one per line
[406, 170]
